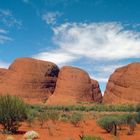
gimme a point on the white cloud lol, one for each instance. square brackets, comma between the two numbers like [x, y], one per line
[4, 37]
[4, 64]
[60, 57]
[102, 45]
[108, 68]
[104, 71]
[3, 31]
[8, 19]
[97, 41]
[51, 17]
[100, 79]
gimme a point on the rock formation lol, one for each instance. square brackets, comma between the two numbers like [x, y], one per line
[32, 79]
[124, 85]
[74, 85]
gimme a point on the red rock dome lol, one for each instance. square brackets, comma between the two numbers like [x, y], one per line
[74, 85]
[32, 79]
[124, 85]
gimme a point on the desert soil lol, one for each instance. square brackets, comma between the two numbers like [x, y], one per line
[67, 131]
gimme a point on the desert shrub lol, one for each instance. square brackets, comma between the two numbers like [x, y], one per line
[64, 117]
[12, 112]
[95, 107]
[137, 117]
[42, 117]
[53, 115]
[109, 123]
[76, 118]
[37, 107]
[132, 125]
[137, 108]
[31, 116]
[30, 135]
[86, 137]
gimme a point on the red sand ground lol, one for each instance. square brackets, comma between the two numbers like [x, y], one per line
[65, 131]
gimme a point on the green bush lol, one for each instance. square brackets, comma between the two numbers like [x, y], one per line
[138, 108]
[12, 112]
[37, 107]
[91, 138]
[64, 117]
[42, 117]
[76, 118]
[132, 125]
[53, 115]
[31, 116]
[96, 107]
[109, 123]
[137, 117]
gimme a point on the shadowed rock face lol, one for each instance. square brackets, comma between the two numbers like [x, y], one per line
[124, 85]
[74, 85]
[32, 79]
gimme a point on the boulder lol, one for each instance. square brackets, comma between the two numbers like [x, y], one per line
[74, 85]
[124, 85]
[32, 79]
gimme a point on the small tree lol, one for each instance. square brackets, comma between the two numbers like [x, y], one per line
[12, 112]
[109, 123]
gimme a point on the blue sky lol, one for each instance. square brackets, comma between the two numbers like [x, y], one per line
[95, 35]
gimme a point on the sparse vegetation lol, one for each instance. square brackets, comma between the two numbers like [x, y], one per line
[96, 107]
[109, 123]
[12, 112]
[31, 116]
[87, 137]
[112, 122]
[65, 117]
[42, 117]
[53, 115]
[137, 117]
[76, 118]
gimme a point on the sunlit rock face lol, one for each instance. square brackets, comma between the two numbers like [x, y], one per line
[124, 85]
[74, 85]
[32, 79]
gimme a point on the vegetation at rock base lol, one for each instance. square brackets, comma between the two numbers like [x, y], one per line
[31, 117]
[42, 118]
[76, 118]
[96, 107]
